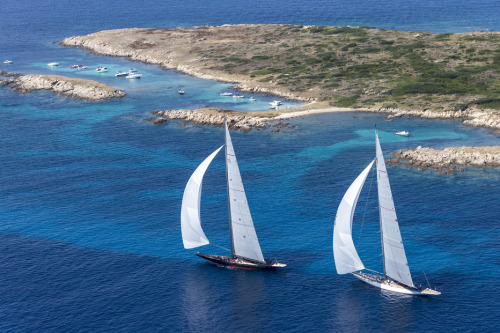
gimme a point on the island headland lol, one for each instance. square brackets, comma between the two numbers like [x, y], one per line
[396, 72]
[61, 85]
[332, 69]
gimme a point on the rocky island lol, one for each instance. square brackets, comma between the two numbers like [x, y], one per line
[396, 72]
[63, 86]
[333, 69]
[448, 159]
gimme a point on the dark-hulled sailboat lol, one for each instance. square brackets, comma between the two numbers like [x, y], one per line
[245, 247]
[396, 276]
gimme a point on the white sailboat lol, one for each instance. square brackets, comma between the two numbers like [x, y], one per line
[245, 247]
[396, 276]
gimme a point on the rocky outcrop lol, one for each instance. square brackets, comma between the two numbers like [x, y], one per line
[240, 121]
[470, 117]
[65, 86]
[447, 161]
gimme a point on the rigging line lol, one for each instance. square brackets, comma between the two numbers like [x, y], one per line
[426, 279]
[364, 212]
[220, 247]
[371, 270]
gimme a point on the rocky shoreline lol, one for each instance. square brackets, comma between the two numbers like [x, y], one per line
[448, 160]
[240, 121]
[88, 90]
[196, 52]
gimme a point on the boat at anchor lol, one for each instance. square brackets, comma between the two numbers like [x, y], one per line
[245, 248]
[402, 133]
[396, 276]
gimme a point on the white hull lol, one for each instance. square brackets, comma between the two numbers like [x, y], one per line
[388, 284]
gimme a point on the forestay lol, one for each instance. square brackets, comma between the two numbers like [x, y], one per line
[244, 242]
[344, 252]
[395, 263]
[192, 233]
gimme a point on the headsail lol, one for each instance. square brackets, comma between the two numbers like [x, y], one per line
[395, 263]
[192, 233]
[244, 242]
[344, 252]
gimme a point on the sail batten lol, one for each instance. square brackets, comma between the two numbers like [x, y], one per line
[244, 241]
[346, 258]
[395, 262]
[192, 232]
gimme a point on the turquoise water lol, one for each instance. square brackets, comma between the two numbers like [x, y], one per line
[90, 193]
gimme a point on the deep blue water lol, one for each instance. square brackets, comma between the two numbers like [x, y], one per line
[90, 194]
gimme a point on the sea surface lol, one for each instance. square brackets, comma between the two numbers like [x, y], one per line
[90, 194]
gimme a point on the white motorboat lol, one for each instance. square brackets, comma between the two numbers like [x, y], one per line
[397, 276]
[238, 96]
[101, 69]
[132, 70]
[8, 62]
[225, 93]
[245, 248]
[402, 133]
[275, 103]
[52, 64]
[133, 76]
[120, 74]
[80, 67]
[181, 92]
[251, 99]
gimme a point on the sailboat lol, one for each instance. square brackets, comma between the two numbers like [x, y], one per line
[396, 276]
[245, 248]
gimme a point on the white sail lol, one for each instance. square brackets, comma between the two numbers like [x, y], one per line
[244, 242]
[344, 252]
[192, 233]
[395, 263]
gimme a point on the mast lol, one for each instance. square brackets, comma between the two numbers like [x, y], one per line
[395, 262]
[227, 188]
[379, 212]
[244, 241]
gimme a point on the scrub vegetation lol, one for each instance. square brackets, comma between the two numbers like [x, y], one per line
[342, 66]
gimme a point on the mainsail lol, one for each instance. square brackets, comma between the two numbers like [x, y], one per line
[192, 233]
[344, 252]
[244, 242]
[395, 263]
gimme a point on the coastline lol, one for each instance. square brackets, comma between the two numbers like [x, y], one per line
[76, 88]
[197, 52]
[216, 53]
[448, 160]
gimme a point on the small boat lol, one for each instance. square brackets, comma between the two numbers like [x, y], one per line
[396, 276]
[75, 66]
[251, 99]
[80, 67]
[120, 74]
[225, 93]
[101, 69]
[8, 62]
[238, 96]
[132, 70]
[133, 76]
[275, 103]
[181, 92]
[245, 248]
[402, 133]
[52, 64]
